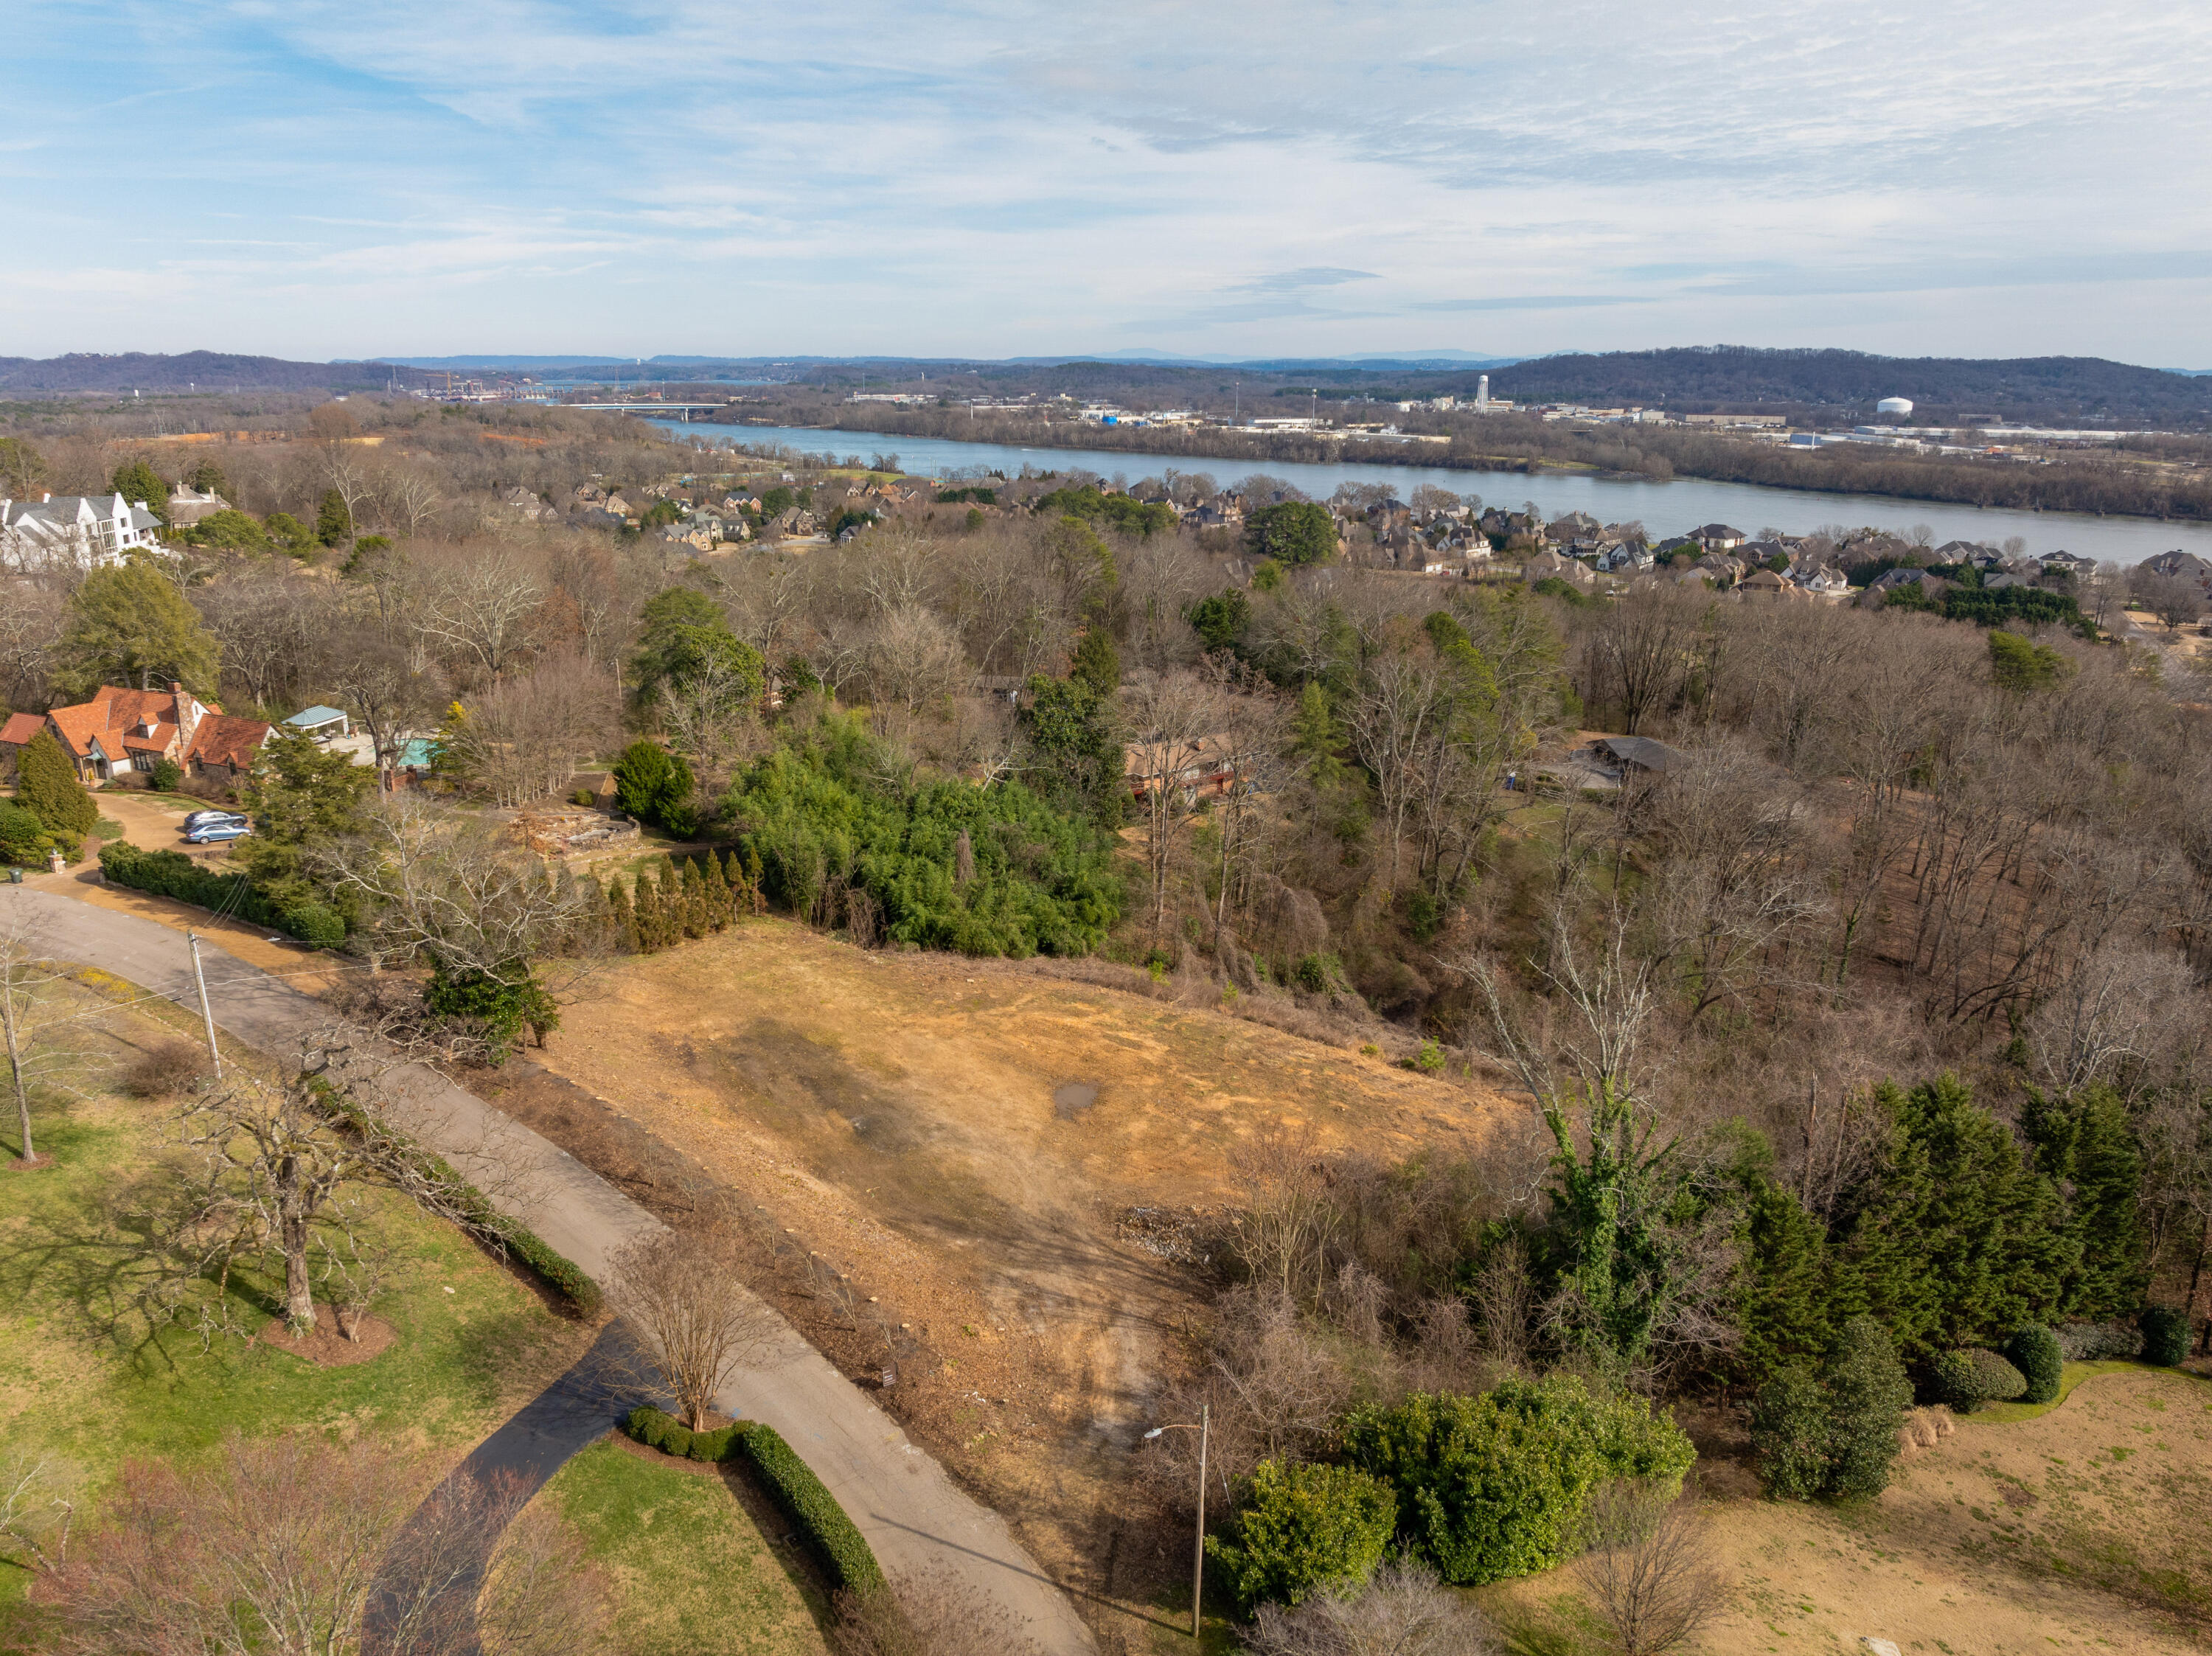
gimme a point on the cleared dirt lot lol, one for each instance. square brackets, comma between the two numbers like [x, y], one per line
[2081, 1530]
[961, 1140]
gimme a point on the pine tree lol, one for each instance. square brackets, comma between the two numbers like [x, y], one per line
[671, 906]
[754, 869]
[719, 906]
[333, 520]
[648, 914]
[1952, 1238]
[1782, 1306]
[696, 922]
[2109, 1271]
[47, 785]
[622, 919]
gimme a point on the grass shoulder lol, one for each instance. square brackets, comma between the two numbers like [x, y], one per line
[692, 1566]
[86, 1382]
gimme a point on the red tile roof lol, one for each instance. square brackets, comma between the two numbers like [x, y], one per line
[22, 727]
[224, 739]
[112, 717]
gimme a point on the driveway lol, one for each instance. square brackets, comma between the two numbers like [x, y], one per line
[909, 1510]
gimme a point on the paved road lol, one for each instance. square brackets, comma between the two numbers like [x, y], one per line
[910, 1511]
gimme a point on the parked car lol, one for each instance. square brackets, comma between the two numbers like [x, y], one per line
[209, 833]
[202, 818]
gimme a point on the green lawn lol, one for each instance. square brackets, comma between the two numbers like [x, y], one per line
[85, 1383]
[692, 1573]
[2069, 1376]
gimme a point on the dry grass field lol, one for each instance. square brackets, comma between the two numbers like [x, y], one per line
[961, 1140]
[2080, 1529]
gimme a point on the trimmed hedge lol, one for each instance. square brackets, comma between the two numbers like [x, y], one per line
[661, 1430]
[806, 1500]
[2165, 1335]
[172, 874]
[784, 1477]
[1970, 1378]
[2033, 1349]
[556, 1270]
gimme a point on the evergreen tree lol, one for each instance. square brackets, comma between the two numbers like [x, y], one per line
[141, 485]
[1868, 1393]
[697, 919]
[47, 785]
[622, 919]
[720, 910]
[2104, 1172]
[1952, 1236]
[1097, 663]
[333, 520]
[648, 907]
[1781, 1303]
[671, 906]
[131, 624]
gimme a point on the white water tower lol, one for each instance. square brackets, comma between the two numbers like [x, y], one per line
[1893, 405]
[1482, 395]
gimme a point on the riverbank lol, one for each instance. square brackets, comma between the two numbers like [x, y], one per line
[2152, 483]
[1662, 506]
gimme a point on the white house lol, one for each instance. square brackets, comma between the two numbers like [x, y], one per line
[86, 531]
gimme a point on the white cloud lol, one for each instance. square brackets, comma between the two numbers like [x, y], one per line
[1004, 178]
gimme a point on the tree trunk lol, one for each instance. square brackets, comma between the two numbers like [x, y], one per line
[15, 1072]
[291, 1236]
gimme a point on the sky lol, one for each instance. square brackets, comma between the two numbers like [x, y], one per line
[997, 177]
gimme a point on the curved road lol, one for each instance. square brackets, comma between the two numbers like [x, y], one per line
[910, 1511]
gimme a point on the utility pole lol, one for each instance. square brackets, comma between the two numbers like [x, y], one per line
[1198, 1558]
[215, 1053]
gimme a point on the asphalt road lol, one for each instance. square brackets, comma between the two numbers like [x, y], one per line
[902, 1499]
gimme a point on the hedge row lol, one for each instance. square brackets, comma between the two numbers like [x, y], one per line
[172, 874]
[556, 1270]
[788, 1481]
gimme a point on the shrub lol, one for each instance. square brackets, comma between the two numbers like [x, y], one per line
[804, 1499]
[1492, 1486]
[24, 840]
[659, 1430]
[654, 786]
[1306, 1530]
[315, 923]
[2165, 1335]
[829, 808]
[1968, 1378]
[2033, 1349]
[164, 1070]
[172, 874]
[1868, 1393]
[1789, 1432]
[2096, 1342]
[46, 786]
[167, 775]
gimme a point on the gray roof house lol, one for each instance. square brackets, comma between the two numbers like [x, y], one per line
[83, 531]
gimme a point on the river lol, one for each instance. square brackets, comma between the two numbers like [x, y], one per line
[1664, 509]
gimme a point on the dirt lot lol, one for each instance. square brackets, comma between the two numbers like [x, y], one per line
[2083, 1529]
[961, 1140]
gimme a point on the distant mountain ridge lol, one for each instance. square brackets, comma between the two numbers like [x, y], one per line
[1742, 377]
[131, 371]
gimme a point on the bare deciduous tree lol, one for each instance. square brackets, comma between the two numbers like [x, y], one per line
[702, 1323]
[524, 736]
[1172, 720]
[1403, 1610]
[481, 605]
[296, 1543]
[1649, 1570]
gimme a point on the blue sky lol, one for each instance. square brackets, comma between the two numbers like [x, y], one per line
[999, 177]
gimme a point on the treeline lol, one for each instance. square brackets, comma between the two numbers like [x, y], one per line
[2066, 481]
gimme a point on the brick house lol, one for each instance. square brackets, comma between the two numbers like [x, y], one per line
[121, 730]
